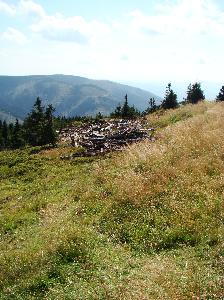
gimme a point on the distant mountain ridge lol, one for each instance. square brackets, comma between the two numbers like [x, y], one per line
[70, 95]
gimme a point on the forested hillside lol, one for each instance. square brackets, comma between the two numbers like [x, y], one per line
[70, 95]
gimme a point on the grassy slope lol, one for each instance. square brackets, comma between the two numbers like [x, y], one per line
[144, 224]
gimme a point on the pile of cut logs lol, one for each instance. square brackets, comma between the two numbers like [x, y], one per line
[105, 136]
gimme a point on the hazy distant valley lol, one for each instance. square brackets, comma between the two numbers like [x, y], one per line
[70, 95]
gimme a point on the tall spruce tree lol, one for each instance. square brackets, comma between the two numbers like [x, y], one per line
[17, 139]
[38, 125]
[49, 134]
[125, 108]
[170, 99]
[10, 135]
[34, 124]
[194, 93]
[220, 96]
[4, 134]
[125, 111]
[1, 137]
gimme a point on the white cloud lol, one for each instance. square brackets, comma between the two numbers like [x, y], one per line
[58, 27]
[30, 7]
[14, 35]
[181, 41]
[191, 17]
[72, 29]
[6, 8]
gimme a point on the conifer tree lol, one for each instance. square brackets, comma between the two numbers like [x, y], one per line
[10, 135]
[17, 140]
[133, 112]
[117, 112]
[5, 134]
[1, 137]
[38, 125]
[125, 111]
[152, 107]
[170, 99]
[34, 124]
[125, 108]
[195, 93]
[49, 135]
[220, 96]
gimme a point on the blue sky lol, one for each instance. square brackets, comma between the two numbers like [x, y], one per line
[100, 9]
[121, 40]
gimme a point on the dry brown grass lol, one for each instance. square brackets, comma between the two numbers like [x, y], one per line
[162, 118]
[189, 155]
[147, 223]
[177, 182]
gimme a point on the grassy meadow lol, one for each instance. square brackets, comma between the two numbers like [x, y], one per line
[147, 223]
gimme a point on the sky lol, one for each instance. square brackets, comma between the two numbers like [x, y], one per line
[135, 41]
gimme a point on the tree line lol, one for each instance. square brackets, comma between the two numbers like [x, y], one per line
[194, 95]
[39, 127]
[36, 130]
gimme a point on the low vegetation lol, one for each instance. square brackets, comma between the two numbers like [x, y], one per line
[147, 223]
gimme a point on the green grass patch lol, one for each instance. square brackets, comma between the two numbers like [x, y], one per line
[144, 224]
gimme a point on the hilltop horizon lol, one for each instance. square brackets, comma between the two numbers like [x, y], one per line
[157, 87]
[70, 95]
